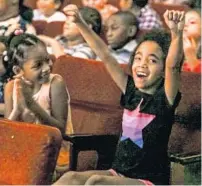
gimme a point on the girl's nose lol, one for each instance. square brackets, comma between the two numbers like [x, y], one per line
[143, 63]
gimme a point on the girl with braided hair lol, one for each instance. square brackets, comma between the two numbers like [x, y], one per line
[35, 95]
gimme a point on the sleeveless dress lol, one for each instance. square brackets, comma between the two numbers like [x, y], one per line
[42, 97]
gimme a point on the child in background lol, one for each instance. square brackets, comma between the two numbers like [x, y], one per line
[35, 95]
[47, 11]
[105, 9]
[72, 42]
[149, 99]
[148, 18]
[121, 29]
[192, 41]
[14, 15]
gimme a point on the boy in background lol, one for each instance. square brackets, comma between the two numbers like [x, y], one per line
[121, 29]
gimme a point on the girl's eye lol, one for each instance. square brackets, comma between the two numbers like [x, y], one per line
[192, 22]
[114, 27]
[153, 61]
[37, 65]
[137, 58]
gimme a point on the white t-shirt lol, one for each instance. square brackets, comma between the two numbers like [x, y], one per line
[57, 16]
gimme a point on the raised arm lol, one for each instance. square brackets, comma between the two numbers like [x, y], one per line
[98, 46]
[175, 22]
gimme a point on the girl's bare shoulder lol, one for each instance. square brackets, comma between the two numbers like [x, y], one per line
[9, 85]
[58, 83]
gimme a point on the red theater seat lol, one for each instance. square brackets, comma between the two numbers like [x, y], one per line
[28, 153]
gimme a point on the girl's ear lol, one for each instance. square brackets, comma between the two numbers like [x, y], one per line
[17, 70]
[132, 31]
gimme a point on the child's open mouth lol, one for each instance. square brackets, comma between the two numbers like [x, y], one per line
[141, 74]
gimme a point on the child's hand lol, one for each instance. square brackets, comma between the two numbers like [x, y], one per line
[12, 28]
[72, 13]
[190, 48]
[18, 98]
[174, 20]
[26, 89]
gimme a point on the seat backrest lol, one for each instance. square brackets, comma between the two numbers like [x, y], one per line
[94, 100]
[39, 26]
[161, 8]
[94, 95]
[54, 28]
[185, 137]
[51, 29]
[28, 153]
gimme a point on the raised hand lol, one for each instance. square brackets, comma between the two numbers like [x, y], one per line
[72, 13]
[174, 20]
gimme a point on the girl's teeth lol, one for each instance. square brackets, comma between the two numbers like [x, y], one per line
[141, 74]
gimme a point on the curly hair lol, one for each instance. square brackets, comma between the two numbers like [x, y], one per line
[162, 38]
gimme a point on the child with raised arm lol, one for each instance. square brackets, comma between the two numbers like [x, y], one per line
[35, 95]
[149, 99]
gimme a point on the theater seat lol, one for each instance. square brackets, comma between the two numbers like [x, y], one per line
[51, 29]
[28, 153]
[94, 100]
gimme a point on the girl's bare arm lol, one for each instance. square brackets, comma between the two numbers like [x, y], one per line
[175, 21]
[10, 112]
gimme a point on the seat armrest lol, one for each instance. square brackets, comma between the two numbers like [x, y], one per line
[185, 158]
[90, 141]
[104, 145]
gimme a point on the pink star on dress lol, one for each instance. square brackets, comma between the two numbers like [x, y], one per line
[133, 124]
